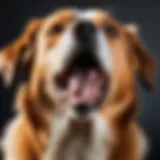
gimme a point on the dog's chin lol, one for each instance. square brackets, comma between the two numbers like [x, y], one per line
[84, 81]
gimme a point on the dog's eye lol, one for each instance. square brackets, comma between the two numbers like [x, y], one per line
[111, 30]
[56, 29]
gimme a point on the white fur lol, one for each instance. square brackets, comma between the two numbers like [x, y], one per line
[103, 51]
[87, 14]
[62, 52]
[56, 61]
[100, 136]
[143, 146]
[8, 141]
[97, 149]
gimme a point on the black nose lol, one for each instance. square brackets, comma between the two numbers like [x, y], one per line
[82, 109]
[85, 31]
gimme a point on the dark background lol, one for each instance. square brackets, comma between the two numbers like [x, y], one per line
[15, 13]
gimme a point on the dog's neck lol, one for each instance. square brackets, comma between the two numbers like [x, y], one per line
[72, 139]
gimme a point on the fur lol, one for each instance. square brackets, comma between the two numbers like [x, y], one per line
[115, 134]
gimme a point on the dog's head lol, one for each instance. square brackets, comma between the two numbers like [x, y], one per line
[79, 58]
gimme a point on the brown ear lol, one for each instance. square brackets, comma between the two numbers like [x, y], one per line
[18, 53]
[145, 63]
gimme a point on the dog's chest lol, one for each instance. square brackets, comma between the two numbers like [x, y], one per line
[77, 141]
[78, 150]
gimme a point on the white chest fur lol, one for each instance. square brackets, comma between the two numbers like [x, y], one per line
[71, 142]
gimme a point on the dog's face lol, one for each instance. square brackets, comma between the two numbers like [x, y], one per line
[79, 58]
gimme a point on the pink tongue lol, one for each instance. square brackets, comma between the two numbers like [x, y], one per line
[85, 87]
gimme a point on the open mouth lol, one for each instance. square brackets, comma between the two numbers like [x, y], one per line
[84, 79]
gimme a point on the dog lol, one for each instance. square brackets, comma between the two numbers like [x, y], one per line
[79, 98]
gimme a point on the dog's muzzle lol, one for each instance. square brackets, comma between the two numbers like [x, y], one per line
[83, 77]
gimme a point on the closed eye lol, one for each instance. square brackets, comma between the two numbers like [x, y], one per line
[56, 29]
[110, 30]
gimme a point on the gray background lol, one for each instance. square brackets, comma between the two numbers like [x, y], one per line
[14, 14]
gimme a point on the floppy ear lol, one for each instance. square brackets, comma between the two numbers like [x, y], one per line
[19, 53]
[144, 62]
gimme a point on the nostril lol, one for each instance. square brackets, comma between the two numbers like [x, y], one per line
[85, 30]
[82, 109]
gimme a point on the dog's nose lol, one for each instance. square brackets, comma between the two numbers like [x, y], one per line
[82, 109]
[85, 31]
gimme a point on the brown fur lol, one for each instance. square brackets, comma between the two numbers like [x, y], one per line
[34, 106]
